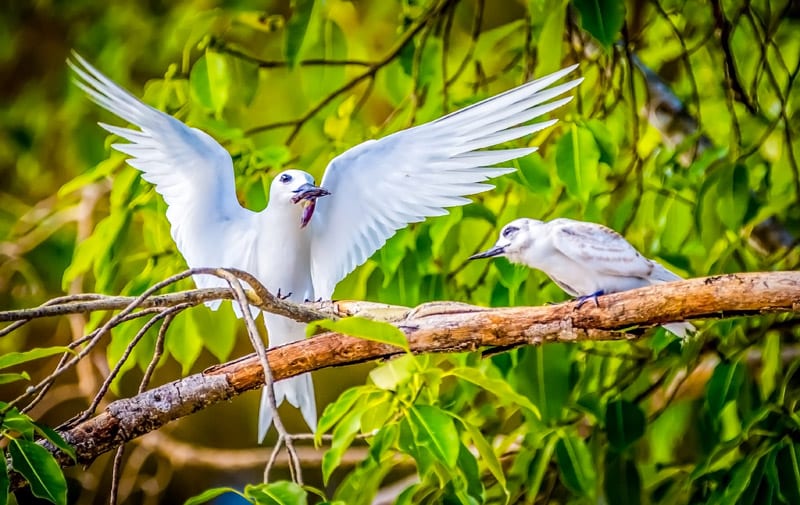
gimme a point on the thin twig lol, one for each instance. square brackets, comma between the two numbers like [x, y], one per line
[369, 73]
[269, 387]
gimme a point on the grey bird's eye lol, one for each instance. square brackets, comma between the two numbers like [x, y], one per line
[285, 178]
[509, 231]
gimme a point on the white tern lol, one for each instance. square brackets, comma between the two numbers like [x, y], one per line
[585, 259]
[367, 194]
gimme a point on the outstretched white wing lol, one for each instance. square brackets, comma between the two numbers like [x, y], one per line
[382, 185]
[190, 170]
[600, 248]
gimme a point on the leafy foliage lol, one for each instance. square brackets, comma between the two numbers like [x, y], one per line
[706, 181]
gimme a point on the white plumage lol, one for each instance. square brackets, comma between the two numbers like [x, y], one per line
[585, 259]
[375, 189]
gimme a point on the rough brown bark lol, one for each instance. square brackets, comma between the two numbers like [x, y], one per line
[438, 327]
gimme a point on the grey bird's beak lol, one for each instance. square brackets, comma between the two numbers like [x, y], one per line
[494, 251]
[308, 194]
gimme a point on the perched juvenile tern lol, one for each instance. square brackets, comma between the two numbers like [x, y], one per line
[585, 259]
[367, 194]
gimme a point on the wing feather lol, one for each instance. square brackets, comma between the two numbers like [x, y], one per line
[601, 247]
[191, 171]
[381, 186]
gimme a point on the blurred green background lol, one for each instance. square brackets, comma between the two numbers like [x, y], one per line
[683, 138]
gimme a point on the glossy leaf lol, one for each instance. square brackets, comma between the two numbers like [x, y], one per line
[435, 431]
[18, 358]
[723, 387]
[334, 411]
[543, 375]
[602, 18]
[209, 494]
[394, 373]
[577, 162]
[625, 424]
[367, 329]
[40, 469]
[787, 463]
[500, 388]
[276, 493]
[7, 378]
[623, 485]
[576, 465]
[487, 454]
[296, 30]
[4, 485]
[56, 439]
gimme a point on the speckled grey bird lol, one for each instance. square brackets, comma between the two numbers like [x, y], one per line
[585, 259]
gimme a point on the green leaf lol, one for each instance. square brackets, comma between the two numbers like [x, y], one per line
[470, 480]
[733, 195]
[576, 465]
[394, 373]
[215, 330]
[741, 475]
[343, 436]
[383, 441]
[277, 493]
[577, 162]
[723, 387]
[541, 464]
[199, 85]
[601, 18]
[771, 364]
[219, 79]
[360, 327]
[434, 430]
[487, 454]
[56, 439]
[787, 462]
[5, 484]
[14, 420]
[543, 374]
[554, 13]
[324, 40]
[185, 346]
[17, 358]
[608, 146]
[498, 387]
[40, 469]
[625, 424]
[7, 378]
[623, 485]
[210, 494]
[534, 174]
[296, 30]
[336, 410]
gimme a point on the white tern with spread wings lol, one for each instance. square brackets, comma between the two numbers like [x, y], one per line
[585, 259]
[367, 194]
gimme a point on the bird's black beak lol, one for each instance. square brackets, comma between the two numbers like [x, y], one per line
[494, 251]
[308, 194]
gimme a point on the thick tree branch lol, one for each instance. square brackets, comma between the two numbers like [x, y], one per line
[438, 327]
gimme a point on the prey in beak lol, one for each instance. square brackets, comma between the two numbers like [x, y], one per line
[307, 195]
[494, 251]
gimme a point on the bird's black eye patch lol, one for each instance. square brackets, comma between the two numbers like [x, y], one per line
[285, 178]
[508, 231]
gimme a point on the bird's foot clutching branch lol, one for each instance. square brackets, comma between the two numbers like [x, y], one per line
[583, 299]
[281, 296]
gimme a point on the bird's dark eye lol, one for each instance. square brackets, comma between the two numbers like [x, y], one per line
[285, 178]
[508, 231]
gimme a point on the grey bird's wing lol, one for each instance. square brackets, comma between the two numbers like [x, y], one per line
[600, 248]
